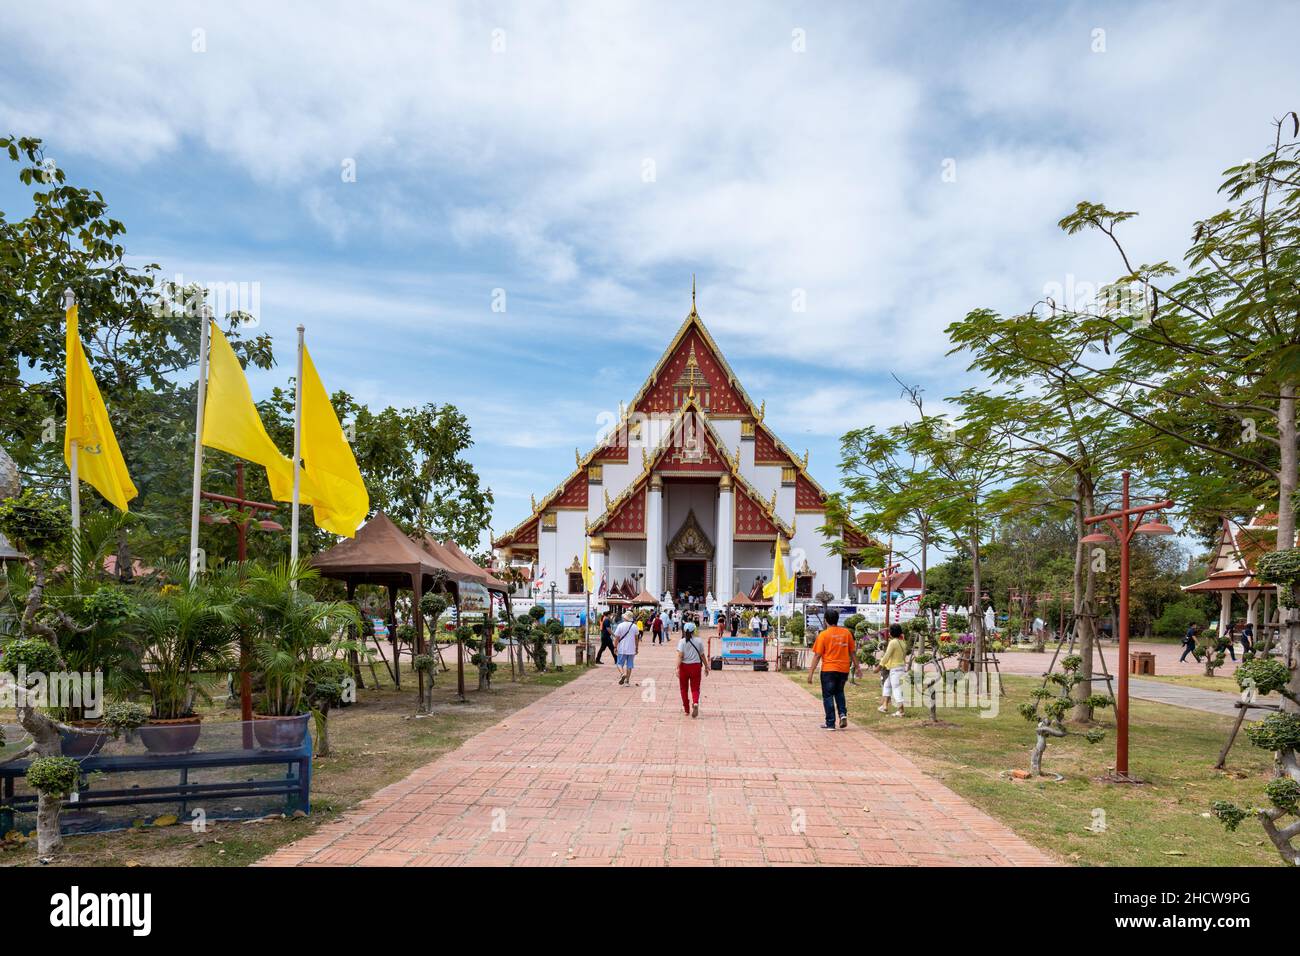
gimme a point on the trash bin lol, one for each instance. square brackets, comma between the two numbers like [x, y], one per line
[1141, 662]
[579, 653]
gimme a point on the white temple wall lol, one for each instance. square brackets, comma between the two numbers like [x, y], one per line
[826, 566]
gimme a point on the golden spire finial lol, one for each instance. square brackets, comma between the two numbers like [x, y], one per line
[762, 409]
[645, 458]
[772, 507]
[693, 293]
[533, 501]
[577, 457]
[805, 459]
[606, 490]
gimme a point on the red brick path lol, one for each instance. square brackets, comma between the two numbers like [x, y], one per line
[597, 774]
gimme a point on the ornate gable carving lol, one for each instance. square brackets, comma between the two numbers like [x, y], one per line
[690, 541]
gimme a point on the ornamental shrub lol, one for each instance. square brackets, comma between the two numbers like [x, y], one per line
[56, 776]
[1275, 732]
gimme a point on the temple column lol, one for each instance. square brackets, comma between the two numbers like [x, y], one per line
[654, 536]
[724, 554]
[1225, 611]
[599, 561]
[1252, 607]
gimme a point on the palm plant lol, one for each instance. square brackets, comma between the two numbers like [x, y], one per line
[183, 632]
[291, 633]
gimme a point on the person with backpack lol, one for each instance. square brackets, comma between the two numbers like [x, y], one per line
[626, 638]
[690, 670]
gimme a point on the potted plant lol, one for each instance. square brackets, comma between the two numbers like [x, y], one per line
[182, 632]
[292, 637]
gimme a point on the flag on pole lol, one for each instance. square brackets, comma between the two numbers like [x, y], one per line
[875, 589]
[331, 480]
[588, 575]
[781, 582]
[99, 459]
[231, 422]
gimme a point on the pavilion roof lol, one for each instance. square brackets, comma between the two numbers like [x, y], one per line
[381, 553]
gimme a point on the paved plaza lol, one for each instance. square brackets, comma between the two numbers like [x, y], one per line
[597, 774]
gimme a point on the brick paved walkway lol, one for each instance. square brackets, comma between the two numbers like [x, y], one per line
[596, 774]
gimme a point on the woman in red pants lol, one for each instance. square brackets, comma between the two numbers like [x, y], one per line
[690, 670]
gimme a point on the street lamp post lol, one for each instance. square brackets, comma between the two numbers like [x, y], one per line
[1123, 524]
[555, 647]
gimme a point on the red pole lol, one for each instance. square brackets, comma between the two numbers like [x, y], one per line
[1121, 704]
[245, 678]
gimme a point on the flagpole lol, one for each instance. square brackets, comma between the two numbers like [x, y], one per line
[297, 459]
[200, 409]
[74, 490]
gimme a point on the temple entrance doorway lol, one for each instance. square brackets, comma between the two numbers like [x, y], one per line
[690, 576]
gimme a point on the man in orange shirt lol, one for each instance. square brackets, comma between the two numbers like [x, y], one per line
[836, 652]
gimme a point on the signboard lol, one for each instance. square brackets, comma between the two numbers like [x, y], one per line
[814, 623]
[473, 598]
[742, 648]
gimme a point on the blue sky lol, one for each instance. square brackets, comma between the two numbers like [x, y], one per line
[796, 151]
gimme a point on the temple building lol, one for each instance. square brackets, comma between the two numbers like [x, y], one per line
[688, 494]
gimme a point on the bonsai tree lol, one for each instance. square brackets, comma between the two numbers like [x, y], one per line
[930, 682]
[1279, 732]
[1057, 700]
[433, 605]
[327, 684]
[41, 527]
[1210, 650]
[551, 632]
[474, 638]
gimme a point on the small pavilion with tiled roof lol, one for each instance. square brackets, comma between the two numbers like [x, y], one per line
[1232, 570]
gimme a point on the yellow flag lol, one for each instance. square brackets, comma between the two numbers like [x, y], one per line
[875, 589]
[587, 575]
[99, 460]
[331, 479]
[230, 420]
[781, 582]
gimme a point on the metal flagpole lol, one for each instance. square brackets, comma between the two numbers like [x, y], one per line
[297, 458]
[200, 411]
[74, 493]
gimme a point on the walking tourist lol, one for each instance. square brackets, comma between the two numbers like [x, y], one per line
[764, 625]
[626, 637]
[735, 623]
[1189, 642]
[690, 671]
[1247, 639]
[606, 638]
[893, 666]
[834, 650]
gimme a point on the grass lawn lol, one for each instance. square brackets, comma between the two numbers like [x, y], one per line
[1224, 683]
[1157, 824]
[377, 741]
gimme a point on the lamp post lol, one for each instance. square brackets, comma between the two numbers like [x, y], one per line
[555, 647]
[1123, 524]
